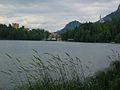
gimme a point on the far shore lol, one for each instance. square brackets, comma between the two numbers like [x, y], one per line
[64, 41]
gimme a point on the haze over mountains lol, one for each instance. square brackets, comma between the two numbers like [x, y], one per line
[108, 18]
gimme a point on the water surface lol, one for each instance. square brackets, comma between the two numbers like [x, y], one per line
[92, 54]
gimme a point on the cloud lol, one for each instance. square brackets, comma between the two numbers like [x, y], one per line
[53, 14]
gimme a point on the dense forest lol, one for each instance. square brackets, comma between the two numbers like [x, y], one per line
[86, 32]
[11, 33]
[94, 32]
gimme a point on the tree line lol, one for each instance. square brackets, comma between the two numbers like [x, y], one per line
[95, 32]
[11, 33]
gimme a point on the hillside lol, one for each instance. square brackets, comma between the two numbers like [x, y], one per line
[107, 29]
[113, 15]
[70, 26]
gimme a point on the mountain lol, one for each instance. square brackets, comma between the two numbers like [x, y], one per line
[70, 26]
[113, 15]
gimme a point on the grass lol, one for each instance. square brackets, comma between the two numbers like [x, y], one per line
[63, 74]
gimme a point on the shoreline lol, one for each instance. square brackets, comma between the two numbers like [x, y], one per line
[65, 41]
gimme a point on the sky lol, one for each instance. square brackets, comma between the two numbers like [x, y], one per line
[53, 15]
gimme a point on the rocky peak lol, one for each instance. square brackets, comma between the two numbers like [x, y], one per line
[118, 8]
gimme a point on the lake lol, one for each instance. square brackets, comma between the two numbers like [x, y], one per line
[94, 55]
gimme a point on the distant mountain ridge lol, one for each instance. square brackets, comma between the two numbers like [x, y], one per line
[70, 26]
[113, 15]
[108, 18]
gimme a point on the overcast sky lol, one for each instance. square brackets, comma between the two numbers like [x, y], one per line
[52, 15]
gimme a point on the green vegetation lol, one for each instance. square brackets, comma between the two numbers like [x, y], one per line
[63, 74]
[95, 32]
[10, 33]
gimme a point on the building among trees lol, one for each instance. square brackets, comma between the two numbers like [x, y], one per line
[15, 25]
[101, 19]
[54, 37]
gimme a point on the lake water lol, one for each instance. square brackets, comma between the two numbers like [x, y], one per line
[95, 55]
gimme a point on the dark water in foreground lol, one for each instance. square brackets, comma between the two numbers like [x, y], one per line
[92, 54]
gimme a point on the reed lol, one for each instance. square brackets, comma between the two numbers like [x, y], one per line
[58, 73]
